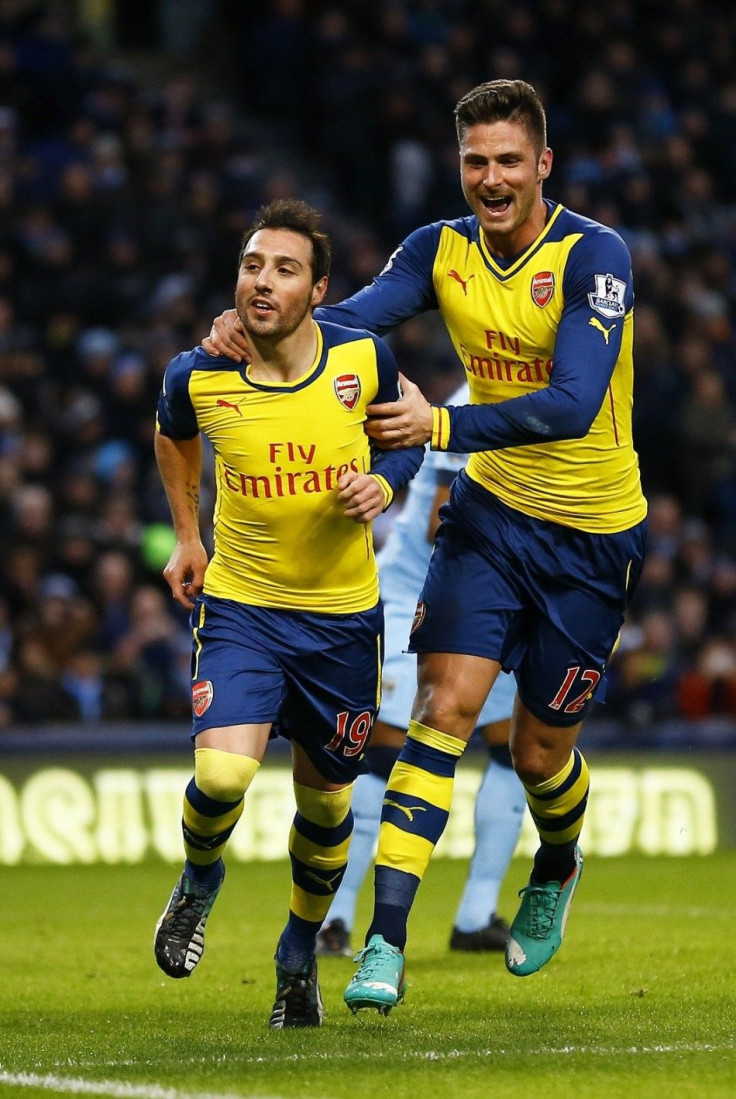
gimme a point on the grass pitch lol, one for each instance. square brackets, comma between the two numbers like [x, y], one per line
[640, 1001]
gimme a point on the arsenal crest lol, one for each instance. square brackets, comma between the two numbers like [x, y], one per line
[347, 390]
[202, 695]
[543, 287]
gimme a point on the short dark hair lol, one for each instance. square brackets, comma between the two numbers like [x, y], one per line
[504, 101]
[300, 217]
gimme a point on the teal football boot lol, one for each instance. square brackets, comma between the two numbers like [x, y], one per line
[380, 980]
[539, 926]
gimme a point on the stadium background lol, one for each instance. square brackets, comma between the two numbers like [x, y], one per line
[136, 141]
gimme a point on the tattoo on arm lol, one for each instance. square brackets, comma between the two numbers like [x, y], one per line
[193, 495]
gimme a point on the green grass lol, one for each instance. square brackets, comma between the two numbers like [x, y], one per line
[639, 1003]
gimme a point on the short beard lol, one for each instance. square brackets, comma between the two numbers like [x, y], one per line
[282, 331]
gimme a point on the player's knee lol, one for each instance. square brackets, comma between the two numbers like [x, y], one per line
[535, 764]
[529, 763]
[223, 776]
[445, 710]
[539, 751]
[326, 808]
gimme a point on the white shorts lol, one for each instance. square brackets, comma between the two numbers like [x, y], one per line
[400, 675]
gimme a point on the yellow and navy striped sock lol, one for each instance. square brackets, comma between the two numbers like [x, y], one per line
[415, 811]
[213, 805]
[557, 807]
[318, 847]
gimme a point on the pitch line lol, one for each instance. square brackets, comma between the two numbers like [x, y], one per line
[458, 1054]
[144, 1092]
[432, 1055]
[117, 1089]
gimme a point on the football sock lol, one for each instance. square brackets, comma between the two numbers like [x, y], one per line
[213, 805]
[499, 812]
[558, 808]
[414, 815]
[318, 847]
[368, 794]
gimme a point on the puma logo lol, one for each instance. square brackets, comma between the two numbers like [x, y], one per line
[228, 404]
[458, 278]
[595, 323]
[409, 810]
[329, 883]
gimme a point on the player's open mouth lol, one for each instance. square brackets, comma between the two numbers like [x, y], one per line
[497, 205]
[261, 307]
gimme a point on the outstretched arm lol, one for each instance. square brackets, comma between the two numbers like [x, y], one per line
[402, 290]
[586, 351]
[180, 465]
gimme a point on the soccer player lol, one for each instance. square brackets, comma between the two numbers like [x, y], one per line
[542, 541]
[402, 564]
[287, 623]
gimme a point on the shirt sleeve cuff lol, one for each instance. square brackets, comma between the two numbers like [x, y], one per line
[440, 428]
[388, 492]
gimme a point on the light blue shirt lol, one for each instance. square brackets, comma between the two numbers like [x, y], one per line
[404, 557]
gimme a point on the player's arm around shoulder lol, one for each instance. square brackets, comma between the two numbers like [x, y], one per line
[403, 289]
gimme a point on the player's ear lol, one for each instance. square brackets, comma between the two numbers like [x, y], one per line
[545, 165]
[318, 291]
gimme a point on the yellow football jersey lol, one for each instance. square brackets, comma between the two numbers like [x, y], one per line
[546, 343]
[281, 539]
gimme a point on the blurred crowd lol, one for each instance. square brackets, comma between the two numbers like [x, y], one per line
[125, 183]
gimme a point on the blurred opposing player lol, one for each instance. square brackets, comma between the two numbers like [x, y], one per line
[500, 802]
[543, 538]
[287, 623]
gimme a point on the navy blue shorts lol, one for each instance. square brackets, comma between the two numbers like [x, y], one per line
[544, 600]
[315, 677]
